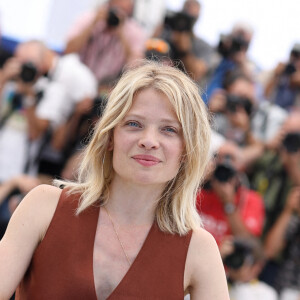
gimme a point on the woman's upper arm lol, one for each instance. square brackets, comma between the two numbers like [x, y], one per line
[205, 269]
[25, 230]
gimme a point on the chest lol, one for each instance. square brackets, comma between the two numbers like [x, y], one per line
[114, 254]
[85, 261]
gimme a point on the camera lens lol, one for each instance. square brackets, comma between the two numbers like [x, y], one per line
[180, 21]
[233, 102]
[236, 259]
[28, 72]
[238, 43]
[289, 69]
[224, 172]
[112, 19]
[291, 142]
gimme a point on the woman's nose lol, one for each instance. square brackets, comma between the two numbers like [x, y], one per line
[149, 139]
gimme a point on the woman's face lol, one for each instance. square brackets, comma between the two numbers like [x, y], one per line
[148, 143]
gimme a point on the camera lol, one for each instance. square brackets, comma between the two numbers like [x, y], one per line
[291, 142]
[225, 170]
[28, 72]
[242, 252]
[238, 43]
[231, 44]
[112, 19]
[179, 21]
[289, 69]
[233, 102]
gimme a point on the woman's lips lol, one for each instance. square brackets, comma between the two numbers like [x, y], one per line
[146, 160]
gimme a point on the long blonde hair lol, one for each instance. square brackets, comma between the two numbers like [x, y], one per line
[176, 210]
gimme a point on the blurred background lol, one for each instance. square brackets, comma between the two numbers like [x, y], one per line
[275, 23]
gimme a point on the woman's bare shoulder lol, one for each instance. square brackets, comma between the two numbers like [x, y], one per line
[204, 268]
[25, 231]
[46, 190]
[202, 237]
[42, 195]
[202, 244]
[39, 204]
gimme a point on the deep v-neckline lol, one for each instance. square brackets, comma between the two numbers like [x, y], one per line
[132, 266]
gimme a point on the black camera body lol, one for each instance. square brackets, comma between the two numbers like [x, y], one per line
[291, 142]
[233, 102]
[179, 21]
[28, 72]
[112, 18]
[225, 170]
[231, 44]
[241, 252]
[238, 43]
[289, 69]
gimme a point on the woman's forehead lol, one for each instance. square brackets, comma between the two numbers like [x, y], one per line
[152, 101]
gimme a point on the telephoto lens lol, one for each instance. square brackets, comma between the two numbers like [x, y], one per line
[28, 72]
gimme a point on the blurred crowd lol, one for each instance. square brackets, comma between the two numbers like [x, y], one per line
[250, 201]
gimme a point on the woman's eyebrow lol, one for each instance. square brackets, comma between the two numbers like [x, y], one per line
[163, 120]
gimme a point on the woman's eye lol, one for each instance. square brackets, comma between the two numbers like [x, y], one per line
[133, 124]
[170, 129]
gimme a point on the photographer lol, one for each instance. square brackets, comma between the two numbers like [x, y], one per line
[278, 170]
[284, 238]
[273, 176]
[226, 205]
[284, 86]
[197, 56]
[40, 92]
[241, 118]
[244, 260]
[233, 49]
[233, 107]
[107, 39]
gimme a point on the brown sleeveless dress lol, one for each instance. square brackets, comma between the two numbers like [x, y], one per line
[62, 265]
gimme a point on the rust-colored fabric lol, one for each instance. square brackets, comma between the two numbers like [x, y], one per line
[62, 266]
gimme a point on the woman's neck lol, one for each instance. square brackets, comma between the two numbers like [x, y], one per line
[133, 204]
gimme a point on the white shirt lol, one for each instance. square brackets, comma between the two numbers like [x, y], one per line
[254, 290]
[268, 120]
[70, 82]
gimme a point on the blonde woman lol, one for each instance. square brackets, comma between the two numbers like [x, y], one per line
[128, 229]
